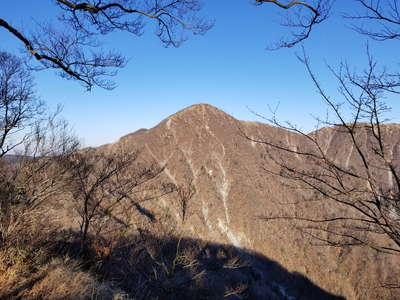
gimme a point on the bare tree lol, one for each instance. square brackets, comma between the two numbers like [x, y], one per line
[376, 19]
[19, 106]
[99, 181]
[33, 175]
[76, 54]
[32, 140]
[371, 214]
[362, 189]
[75, 51]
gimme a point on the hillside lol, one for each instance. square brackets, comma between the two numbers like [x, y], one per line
[205, 153]
[205, 146]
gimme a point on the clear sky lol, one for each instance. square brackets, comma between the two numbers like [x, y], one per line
[229, 68]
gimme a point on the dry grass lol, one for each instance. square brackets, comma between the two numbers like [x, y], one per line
[58, 279]
[40, 263]
[65, 280]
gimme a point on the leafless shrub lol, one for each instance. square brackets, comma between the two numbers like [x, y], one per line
[99, 181]
[185, 193]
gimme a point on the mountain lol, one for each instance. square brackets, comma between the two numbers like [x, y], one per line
[204, 149]
[205, 238]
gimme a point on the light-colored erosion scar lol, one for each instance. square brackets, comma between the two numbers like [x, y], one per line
[215, 137]
[328, 144]
[256, 140]
[233, 238]
[292, 147]
[223, 189]
[253, 143]
[170, 176]
[204, 210]
[390, 175]
[347, 163]
[209, 131]
[152, 154]
[187, 153]
[162, 163]
[168, 123]
[390, 179]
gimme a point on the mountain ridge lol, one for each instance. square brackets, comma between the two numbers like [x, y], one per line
[207, 148]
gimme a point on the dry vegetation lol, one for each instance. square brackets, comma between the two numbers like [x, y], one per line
[41, 259]
[69, 217]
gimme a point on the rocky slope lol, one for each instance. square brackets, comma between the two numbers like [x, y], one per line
[204, 149]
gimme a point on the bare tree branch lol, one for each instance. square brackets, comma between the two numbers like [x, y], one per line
[383, 19]
[75, 51]
[371, 205]
[303, 18]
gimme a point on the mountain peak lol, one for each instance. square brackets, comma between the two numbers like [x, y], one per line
[201, 108]
[199, 111]
[198, 115]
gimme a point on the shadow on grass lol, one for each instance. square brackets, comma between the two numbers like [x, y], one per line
[148, 267]
[16, 291]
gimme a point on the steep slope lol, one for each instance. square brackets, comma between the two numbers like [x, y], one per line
[203, 147]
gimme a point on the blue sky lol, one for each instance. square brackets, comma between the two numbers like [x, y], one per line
[229, 68]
